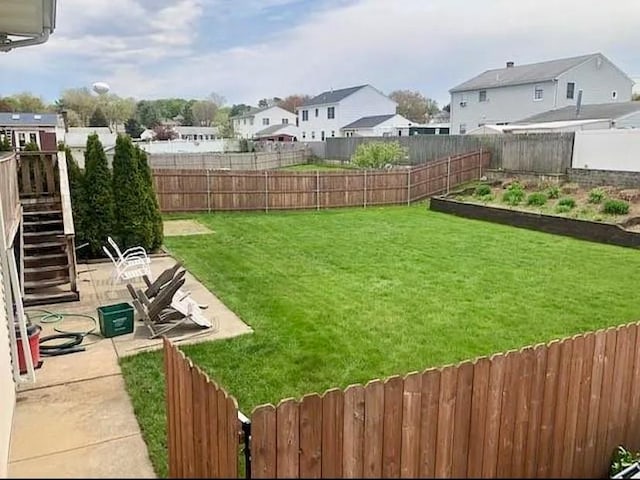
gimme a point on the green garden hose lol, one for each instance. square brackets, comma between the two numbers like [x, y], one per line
[76, 337]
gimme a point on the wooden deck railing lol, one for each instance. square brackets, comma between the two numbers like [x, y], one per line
[39, 175]
[10, 196]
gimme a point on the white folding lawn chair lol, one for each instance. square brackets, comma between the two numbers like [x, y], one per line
[127, 269]
[132, 255]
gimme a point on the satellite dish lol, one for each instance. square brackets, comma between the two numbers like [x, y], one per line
[101, 87]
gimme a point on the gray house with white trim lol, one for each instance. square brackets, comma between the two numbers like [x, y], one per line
[505, 95]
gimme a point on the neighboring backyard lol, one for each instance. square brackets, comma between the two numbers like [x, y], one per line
[344, 296]
[320, 167]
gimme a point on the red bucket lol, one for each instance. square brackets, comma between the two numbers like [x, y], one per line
[33, 332]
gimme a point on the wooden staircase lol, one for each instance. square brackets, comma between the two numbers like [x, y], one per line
[48, 260]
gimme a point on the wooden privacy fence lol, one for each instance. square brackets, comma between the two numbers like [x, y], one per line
[202, 421]
[281, 157]
[209, 190]
[552, 410]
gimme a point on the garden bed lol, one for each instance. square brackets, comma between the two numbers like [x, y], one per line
[605, 214]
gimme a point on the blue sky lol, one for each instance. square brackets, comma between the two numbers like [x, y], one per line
[249, 49]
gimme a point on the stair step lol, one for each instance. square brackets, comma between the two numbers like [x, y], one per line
[43, 233]
[44, 298]
[35, 246]
[48, 268]
[42, 200]
[40, 284]
[49, 256]
[35, 223]
[42, 212]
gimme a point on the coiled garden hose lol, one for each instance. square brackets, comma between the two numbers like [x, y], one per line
[76, 338]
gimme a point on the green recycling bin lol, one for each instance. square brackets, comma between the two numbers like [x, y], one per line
[115, 319]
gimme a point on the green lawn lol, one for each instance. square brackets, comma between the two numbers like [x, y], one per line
[343, 296]
[319, 167]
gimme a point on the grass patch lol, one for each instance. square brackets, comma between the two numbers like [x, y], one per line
[344, 296]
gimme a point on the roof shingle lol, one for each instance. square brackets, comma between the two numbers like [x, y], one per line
[332, 96]
[608, 111]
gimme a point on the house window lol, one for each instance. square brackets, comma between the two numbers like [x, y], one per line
[244, 121]
[331, 112]
[333, 133]
[304, 134]
[571, 88]
[614, 94]
[21, 139]
[463, 128]
[538, 93]
[251, 121]
[317, 112]
[305, 115]
[482, 96]
[265, 121]
[285, 121]
[33, 138]
[313, 134]
[322, 135]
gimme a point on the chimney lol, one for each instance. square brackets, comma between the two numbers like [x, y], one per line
[510, 64]
[579, 103]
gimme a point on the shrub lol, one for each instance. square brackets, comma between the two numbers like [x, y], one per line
[514, 194]
[151, 210]
[596, 195]
[482, 190]
[378, 154]
[31, 147]
[98, 189]
[563, 208]
[537, 198]
[567, 202]
[78, 198]
[128, 193]
[622, 459]
[553, 191]
[615, 207]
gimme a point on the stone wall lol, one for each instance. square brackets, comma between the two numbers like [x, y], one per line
[593, 178]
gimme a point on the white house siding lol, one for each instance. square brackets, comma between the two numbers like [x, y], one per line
[503, 104]
[607, 150]
[7, 387]
[596, 83]
[247, 127]
[364, 103]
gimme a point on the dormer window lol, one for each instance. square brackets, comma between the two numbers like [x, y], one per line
[538, 93]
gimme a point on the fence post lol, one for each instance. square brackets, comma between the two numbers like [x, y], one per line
[480, 164]
[266, 190]
[208, 193]
[365, 188]
[317, 189]
[448, 173]
[409, 186]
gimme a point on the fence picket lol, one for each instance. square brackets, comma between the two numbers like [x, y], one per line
[478, 416]
[579, 459]
[332, 424]
[494, 407]
[373, 424]
[597, 377]
[602, 439]
[632, 436]
[513, 363]
[263, 442]
[523, 379]
[287, 439]
[573, 400]
[311, 436]
[353, 432]
[446, 415]
[559, 422]
[213, 463]
[410, 448]
[392, 439]
[535, 409]
[462, 421]
[548, 410]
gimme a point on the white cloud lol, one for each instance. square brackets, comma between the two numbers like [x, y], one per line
[429, 45]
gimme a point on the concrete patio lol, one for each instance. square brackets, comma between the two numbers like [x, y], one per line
[77, 417]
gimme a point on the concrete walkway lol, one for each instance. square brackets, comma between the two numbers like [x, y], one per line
[77, 419]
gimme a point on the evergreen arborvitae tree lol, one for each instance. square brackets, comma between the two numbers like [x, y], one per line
[78, 198]
[98, 119]
[151, 206]
[98, 189]
[131, 226]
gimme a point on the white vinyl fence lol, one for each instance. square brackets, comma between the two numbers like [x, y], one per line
[607, 150]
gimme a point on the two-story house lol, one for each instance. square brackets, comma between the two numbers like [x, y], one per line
[326, 114]
[257, 119]
[21, 129]
[505, 95]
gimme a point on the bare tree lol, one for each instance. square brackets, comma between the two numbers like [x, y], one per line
[414, 105]
[292, 102]
[204, 112]
[216, 98]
